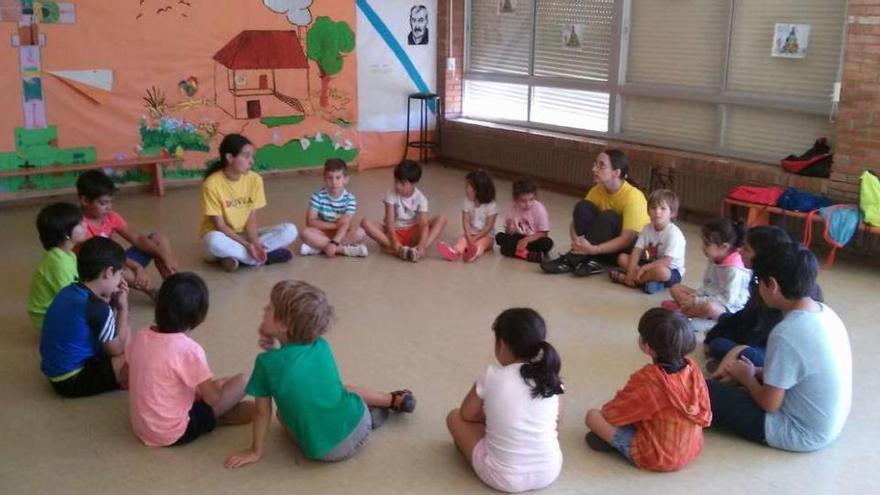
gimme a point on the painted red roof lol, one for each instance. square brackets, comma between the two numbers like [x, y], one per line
[263, 50]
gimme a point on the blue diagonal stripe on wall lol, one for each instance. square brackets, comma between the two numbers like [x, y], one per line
[392, 43]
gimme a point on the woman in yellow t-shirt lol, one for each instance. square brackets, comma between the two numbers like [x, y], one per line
[231, 195]
[607, 222]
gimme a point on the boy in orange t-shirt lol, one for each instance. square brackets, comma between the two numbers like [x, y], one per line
[657, 420]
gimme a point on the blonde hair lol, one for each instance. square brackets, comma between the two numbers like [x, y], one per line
[303, 309]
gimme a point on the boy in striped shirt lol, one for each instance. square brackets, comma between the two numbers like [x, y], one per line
[330, 227]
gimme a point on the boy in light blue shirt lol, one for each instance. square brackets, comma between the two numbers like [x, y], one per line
[800, 399]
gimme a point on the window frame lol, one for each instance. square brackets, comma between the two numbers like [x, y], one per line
[618, 88]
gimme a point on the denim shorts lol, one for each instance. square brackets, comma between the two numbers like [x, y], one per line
[622, 440]
[353, 442]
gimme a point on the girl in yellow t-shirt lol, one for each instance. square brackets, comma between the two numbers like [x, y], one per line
[231, 195]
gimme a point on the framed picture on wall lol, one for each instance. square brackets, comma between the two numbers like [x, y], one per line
[791, 40]
[506, 7]
[573, 36]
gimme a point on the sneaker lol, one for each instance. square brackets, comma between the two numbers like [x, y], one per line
[535, 257]
[589, 267]
[355, 250]
[229, 264]
[280, 255]
[561, 264]
[596, 443]
[403, 252]
[447, 252]
[306, 250]
[413, 255]
[470, 254]
[671, 305]
[653, 287]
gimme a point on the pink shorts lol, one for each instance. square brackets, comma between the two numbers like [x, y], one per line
[509, 481]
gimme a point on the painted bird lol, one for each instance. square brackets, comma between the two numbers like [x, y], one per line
[188, 87]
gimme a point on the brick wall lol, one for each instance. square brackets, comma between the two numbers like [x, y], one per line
[449, 82]
[858, 125]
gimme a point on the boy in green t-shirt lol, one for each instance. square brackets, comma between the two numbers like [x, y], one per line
[61, 227]
[327, 419]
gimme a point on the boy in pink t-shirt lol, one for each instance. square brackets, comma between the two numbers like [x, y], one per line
[527, 225]
[173, 397]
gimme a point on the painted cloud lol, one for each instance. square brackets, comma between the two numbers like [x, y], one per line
[297, 11]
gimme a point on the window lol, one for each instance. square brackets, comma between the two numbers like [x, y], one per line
[689, 74]
[544, 62]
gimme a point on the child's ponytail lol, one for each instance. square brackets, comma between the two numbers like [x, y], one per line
[523, 331]
[543, 372]
[723, 230]
[232, 144]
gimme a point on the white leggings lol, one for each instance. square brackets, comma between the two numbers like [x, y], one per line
[217, 245]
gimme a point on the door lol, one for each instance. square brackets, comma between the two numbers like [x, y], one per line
[253, 109]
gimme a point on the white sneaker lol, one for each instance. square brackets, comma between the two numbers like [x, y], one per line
[358, 250]
[306, 250]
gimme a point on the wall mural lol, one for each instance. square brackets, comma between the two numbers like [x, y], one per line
[174, 79]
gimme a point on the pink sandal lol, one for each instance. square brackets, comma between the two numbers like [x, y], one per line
[447, 252]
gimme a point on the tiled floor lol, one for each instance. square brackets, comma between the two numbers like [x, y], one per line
[425, 327]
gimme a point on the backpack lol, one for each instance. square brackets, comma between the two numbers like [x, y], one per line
[869, 197]
[795, 200]
[815, 162]
[841, 224]
[756, 194]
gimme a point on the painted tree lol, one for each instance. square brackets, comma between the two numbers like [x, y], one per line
[327, 42]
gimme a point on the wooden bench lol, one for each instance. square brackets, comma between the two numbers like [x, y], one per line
[153, 163]
[758, 214]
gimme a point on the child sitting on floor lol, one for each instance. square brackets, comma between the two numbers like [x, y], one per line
[85, 330]
[657, 420]
[527, 225]
[328, 420]
[477, 219]
[330, 227]
[173, 396]
[657, 260]
[745, 332]
[96, 191]
[506, 426]
[406, 232]
[726, 280]
[61, 227]
[800, 399]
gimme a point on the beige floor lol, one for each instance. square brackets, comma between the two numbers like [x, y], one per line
[425, 327]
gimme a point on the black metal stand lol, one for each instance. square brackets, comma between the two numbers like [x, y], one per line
[423, 144]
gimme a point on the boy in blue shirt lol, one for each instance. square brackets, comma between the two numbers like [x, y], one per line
[330, 226]
[85, 329]
[800, 399]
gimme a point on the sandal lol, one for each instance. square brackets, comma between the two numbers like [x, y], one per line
[403, 401]
[617, 276]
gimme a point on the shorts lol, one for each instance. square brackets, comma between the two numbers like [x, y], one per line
[408, 236]
[201, 421]
[623, 439]
[138, 256]
[353, 442]
[506, 480]
[95, 377]
[674, 274]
